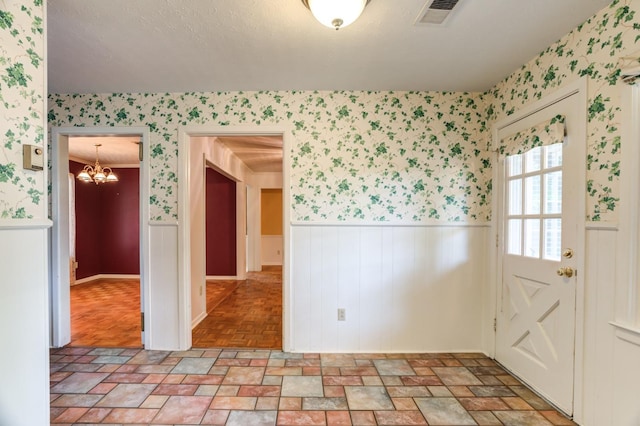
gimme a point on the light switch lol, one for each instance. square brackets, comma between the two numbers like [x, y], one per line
[32, 157]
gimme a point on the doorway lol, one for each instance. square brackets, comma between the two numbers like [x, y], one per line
[90, 248]
[227, 150]
[541, 181]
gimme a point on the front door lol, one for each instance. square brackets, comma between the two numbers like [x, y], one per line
[542, 228]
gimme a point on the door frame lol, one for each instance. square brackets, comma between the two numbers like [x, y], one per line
[185, 133]
[579, 89]
[59, 288]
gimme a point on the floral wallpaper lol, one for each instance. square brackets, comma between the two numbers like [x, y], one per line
[22, 107]
[374, 156]
[594, 49]
[392, 156]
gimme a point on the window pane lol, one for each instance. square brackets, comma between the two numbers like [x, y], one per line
[515, 196]
[514, 237]
[514, 165]
[532, 238]
[553, 155]
[552, 239]
[533, 160]
[553, 193]
[532, 195]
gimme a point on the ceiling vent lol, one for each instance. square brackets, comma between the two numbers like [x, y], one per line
[436, 12]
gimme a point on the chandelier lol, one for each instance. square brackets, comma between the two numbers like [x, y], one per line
[97, 173]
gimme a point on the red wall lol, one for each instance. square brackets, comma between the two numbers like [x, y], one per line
[220, 224]
[107, 225]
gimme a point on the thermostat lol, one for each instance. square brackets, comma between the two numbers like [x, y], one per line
[32, 157]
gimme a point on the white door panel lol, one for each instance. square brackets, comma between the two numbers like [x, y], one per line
[542, 207]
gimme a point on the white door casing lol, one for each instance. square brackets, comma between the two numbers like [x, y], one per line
[59, 239]
[539, 322]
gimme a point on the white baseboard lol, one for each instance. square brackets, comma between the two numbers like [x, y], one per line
[220, 277]
[198, 320]
[271, 263]
[106, 277]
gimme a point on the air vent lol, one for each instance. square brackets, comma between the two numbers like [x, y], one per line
[436, 12]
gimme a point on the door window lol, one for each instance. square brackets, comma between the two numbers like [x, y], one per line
[534, 203]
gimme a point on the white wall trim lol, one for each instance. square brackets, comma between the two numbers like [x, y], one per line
[59, 265]
[163, 223]
[198, 319]
[627, 333]
[438, 224]
[601, 226]
[628, 251]
[106, 277]
[221, 278]
[7, 224]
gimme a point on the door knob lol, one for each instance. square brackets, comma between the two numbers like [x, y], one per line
[565, 272]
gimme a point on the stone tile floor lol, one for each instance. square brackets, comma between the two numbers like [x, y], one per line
[262, 387]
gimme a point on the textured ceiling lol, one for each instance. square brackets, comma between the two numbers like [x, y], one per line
[98, 46]
[114, 150]
[261, 154]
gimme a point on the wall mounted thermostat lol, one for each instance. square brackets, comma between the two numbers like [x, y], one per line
[32, 157]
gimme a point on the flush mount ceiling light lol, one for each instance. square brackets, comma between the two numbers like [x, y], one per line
[96, 173]
[336, 13]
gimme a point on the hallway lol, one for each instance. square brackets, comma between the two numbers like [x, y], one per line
[248, 317]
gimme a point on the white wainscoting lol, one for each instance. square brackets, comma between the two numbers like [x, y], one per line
[162, 311]
[24, 319]
[404, 288]
[599, 306]
[272, 246]
[626, 376]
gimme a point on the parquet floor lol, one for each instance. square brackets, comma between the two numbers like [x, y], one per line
[242, 314]
[106, 313]
[250, 317]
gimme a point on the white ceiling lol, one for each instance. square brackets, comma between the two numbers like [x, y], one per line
[262, 154]
[98, 46]
[114, 150]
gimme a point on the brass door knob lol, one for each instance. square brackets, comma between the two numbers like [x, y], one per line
[565, 272]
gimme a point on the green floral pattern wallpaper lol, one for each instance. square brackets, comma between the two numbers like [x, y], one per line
[594, 50]
[374, 156]
[392, 156]
[22, 109]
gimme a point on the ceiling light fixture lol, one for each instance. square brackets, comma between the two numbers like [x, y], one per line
[97, 173]
[336, 13]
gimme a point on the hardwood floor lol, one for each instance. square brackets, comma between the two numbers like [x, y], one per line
[241, 314]
[106, 313]
[250, 317]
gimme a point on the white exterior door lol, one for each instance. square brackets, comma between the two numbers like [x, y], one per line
[542, 250]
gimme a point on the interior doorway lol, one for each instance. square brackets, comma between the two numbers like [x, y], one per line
[112, 248]
[240, 156]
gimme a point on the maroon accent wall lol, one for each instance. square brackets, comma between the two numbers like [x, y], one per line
[220, 224]
[120, 224]
[107, 238]
[87, 225]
